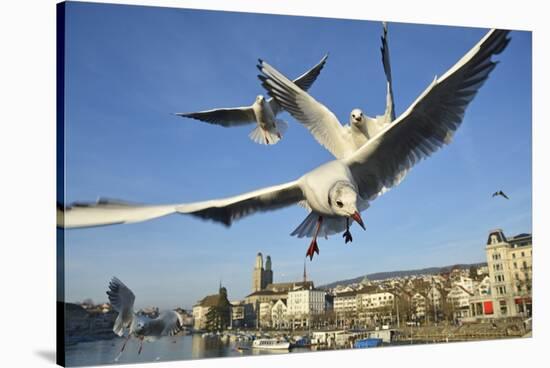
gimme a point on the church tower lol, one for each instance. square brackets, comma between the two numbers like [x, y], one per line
[258, 273]
[268, 273]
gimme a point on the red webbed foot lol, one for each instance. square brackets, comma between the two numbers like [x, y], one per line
[313, 248]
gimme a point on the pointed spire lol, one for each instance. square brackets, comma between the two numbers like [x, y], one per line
[305, 275]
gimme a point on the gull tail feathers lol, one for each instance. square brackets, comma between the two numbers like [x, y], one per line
[329, 226]
[269, 137]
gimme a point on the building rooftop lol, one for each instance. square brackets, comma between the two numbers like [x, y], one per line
[209, 301]
[289, 286]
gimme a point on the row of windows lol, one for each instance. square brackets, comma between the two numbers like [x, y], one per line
[497, 256]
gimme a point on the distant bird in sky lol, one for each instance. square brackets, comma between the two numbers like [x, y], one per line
[500, 193]
[142, 327]
[269, 130]
[340, 140]
[337, 191]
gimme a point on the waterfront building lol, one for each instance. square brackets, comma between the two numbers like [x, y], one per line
[237, 314]
[279, 314]
[218, 301]
[509, 261]
[345, 308]
[459, 299]
[302, 304]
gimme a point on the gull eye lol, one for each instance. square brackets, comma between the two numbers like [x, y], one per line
[340, 204]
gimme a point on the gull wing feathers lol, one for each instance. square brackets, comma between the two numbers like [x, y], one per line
[230, 209]
[166, 324]
[226, 117]
[224, 210]
[108, 212]
[122, 300]
[305, 81]
[318, 119]
[428, 123]
[389, 114]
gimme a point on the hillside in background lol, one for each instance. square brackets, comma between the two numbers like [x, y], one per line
[391, 274]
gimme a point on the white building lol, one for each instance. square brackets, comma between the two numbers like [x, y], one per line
[279, 315]
[265, 314]
[345, 303]
[302, 304]
[509, 261]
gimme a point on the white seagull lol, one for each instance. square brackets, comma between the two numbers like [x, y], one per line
[326, 129]
[269, 129]
[122, 299]
[337, 191]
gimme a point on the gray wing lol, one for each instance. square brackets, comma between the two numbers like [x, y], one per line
[226, 210]
[389, 114]
[122, 301]
[428, 123]
[231, 209]
[226, 117]
[316, 117]
[166, 324]
[305, 81]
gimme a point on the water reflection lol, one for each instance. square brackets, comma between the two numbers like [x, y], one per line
[163, 349]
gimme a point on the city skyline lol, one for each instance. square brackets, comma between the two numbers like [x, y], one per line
[126, 144]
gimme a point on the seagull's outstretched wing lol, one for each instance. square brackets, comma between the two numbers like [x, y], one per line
[166, 324]
[318, 119]
[224, 210]
[108, 212]
[428, 123]
[122, 300]
[227, 117]
[305, 81]
[389, 114]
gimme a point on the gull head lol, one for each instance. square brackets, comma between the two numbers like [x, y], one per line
[342, 198]
[260, 99]
[356, 116]
[140, 327]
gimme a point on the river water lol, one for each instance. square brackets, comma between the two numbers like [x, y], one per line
[165, 349]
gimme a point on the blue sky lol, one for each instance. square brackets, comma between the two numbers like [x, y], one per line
[128, 68]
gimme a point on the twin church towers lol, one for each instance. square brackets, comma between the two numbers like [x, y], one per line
[262, 277]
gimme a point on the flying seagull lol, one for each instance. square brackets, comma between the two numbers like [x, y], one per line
[337, 191]
[142, 327]
[500, 193]
[269, 130]
[322, 124]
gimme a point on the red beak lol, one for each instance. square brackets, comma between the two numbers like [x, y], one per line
[357, 217]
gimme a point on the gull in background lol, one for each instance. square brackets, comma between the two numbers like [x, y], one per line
[337, 191]
[122, 299]
[500, 193]
[269, 129]
[340, 140]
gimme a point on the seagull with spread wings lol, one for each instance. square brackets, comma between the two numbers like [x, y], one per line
[263, 112]
[122, 299]
[350, 136]
[337, 191]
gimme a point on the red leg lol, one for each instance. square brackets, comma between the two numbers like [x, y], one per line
[313, 248]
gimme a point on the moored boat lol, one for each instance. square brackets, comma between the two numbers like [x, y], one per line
[367, 343]
[271, 344]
